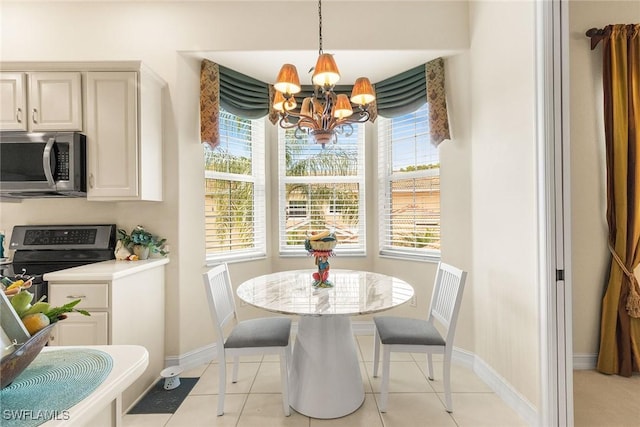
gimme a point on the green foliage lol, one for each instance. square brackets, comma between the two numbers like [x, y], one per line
[140, 236]
[417, 239]
[420, 167]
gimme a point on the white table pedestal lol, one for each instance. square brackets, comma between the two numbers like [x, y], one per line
[325, 379]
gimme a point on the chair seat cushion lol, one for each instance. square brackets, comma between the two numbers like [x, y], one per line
[407, 331]
[264, 332]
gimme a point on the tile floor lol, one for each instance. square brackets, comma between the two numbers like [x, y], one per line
[255, 400]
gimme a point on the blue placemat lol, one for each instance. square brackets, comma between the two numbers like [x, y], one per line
[51, 384]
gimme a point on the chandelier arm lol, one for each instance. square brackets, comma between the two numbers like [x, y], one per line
[362, 118]
[284, 124]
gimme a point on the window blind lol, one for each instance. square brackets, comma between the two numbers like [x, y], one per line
[409, 177]
[321, 188]
[235, 189]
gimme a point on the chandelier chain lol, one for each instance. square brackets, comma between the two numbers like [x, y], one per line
[320, 26]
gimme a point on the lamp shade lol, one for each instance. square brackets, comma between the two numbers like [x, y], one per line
[343, 107]
[279, 102]
[362, 93]
[287, 80]
[326, 72]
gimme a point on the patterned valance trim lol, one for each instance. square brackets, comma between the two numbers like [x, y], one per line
[437, 100]
[209, 103]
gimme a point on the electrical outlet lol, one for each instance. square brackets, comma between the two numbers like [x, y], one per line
[414, 301]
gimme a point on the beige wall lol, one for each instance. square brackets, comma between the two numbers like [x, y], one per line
[164, 35]
[503, 191]
[488, 185]
[590, 256]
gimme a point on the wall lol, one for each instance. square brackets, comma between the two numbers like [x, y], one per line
[503, 191]
[166, 36]
[590, 257]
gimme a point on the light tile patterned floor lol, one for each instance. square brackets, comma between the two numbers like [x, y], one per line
[255, 400]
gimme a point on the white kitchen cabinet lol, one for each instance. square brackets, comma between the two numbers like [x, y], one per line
[126, 300]
[78, 329]
[124, 135]
[41, 101]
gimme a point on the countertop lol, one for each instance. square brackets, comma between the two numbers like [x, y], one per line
[105, 270]
[129, 362]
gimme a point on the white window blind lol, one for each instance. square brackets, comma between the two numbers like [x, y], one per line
[321, 188]
[409, 178]
[235, 190]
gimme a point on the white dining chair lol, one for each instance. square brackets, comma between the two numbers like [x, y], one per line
[269, 335]
[411, 335]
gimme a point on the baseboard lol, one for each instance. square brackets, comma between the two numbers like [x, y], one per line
[193, 358]
[506, 392]
[497, 383]
[585, 361]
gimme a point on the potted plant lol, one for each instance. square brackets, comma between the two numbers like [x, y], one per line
[142, 242]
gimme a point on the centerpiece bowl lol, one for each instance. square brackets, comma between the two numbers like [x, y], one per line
[13, 364]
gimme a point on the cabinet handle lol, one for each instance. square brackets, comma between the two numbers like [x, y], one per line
[76, 296]
[19, 115]
[90, 180]
[34, 116]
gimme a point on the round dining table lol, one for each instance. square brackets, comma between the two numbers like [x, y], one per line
[325, 379]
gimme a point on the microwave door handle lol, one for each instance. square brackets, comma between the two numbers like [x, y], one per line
[46, 162]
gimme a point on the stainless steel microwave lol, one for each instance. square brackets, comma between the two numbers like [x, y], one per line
[42, 165]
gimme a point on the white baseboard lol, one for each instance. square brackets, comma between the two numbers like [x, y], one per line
[193, 358]
[585, 361]
[497, 383]
[506, 392]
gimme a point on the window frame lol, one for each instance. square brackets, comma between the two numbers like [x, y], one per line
[258, 179]
[360, 178]
[386, 176]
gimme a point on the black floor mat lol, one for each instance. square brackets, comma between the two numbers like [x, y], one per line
[161, 401]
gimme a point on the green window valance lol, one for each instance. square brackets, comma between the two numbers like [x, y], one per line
[402, 93]
[250, 98]
[242, 95]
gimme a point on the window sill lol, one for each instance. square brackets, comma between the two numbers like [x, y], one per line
[230, 259]
[433, 257]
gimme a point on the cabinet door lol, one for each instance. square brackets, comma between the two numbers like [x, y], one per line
[55, 101]
[13, 101]
[112, 135]
[78, 329]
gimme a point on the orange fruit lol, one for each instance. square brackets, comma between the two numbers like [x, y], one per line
[35, 322]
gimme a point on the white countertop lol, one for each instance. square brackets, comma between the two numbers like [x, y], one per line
[129, 362]
[105, 270]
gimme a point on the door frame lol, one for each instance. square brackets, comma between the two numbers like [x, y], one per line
[554, 226]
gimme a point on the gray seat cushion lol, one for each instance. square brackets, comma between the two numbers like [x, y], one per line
[402, 330]
[264, 332]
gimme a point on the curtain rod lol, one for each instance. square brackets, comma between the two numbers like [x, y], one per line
[596, 34]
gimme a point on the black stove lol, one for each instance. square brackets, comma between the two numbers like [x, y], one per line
[41, 249]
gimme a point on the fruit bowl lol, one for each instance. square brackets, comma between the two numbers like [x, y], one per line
[13, 364]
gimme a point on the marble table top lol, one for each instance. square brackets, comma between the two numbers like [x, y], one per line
[354, 292]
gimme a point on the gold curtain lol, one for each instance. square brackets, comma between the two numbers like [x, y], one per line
[436, 98]
[620, 328]
[209, 103]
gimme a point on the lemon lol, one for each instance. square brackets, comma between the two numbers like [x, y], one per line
[15, 284]
[35, 322]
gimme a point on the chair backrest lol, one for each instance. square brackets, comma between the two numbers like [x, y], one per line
[447, 296]
[222, 306]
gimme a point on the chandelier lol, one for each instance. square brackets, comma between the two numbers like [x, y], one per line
[325, 115]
